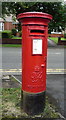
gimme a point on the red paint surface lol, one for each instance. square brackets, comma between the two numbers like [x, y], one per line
[34, 66]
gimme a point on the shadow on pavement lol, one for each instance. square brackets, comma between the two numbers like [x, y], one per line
[51, 43]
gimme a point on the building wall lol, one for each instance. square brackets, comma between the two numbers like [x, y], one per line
[8, 26]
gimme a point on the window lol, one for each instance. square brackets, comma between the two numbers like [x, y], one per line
[1, 26]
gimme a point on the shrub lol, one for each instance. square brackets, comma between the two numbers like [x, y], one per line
[65, 35]
[14, 32]
[49, 31]
[6, 34]
[20, 33]
[0, 35]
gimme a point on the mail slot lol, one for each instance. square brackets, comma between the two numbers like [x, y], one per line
[37, 31]
[34, 55]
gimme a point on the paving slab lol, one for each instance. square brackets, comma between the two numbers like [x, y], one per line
[9, 83]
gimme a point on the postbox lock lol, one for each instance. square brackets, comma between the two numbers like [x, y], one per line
[45, 58]
[42, 65]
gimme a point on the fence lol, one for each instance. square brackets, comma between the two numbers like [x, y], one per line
[55, 35]
[10, 41]
[61, 42]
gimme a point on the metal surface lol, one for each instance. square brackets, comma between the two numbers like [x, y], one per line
[34, 50]
[34, 103]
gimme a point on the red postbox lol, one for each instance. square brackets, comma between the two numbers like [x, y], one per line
[34, 56]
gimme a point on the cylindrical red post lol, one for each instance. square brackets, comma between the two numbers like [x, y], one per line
[34, 57]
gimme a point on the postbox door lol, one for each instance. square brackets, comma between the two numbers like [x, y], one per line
[38, 71]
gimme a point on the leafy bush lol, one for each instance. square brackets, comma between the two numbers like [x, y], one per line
[6, 34]
[0, 35]
[20, 33]
[65, 35]
[14, 32]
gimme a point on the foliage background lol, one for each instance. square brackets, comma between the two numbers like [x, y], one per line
[56, 9]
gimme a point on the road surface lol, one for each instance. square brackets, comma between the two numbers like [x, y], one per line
[11, 60]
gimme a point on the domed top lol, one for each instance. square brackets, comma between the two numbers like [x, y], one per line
[34, 14]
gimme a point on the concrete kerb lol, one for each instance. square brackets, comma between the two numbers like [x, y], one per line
[16, 79]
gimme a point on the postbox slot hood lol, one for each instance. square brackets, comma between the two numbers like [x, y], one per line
[37, 28]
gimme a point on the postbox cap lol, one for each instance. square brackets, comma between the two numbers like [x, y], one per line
[34, 14]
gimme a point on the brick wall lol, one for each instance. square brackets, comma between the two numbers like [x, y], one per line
[8, 26]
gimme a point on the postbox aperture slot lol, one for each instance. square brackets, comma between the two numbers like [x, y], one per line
[37, 31]
[37, 47]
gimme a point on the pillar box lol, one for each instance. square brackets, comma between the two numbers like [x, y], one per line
[34, 58]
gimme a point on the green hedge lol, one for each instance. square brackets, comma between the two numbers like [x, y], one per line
[20, 33]
[6, 34]
[65, 35]
[14, 32]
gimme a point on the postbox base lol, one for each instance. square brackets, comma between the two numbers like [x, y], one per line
[33, 104]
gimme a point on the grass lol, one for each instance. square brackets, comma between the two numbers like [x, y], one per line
[15, 37]
[11, 98]
[63, 38]
[7, 31]
[10, 102]
[55, 39]
[10, 45]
